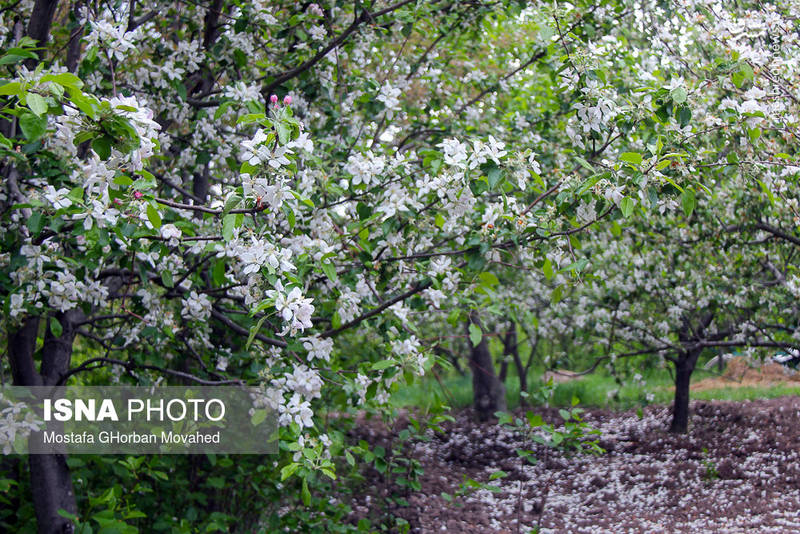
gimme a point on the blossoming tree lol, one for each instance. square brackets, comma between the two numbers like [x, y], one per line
[289, 194]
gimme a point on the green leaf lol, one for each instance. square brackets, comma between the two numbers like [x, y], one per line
[32, 126]
[76, 194]
[86, 105]
[678, 95]
[153, 216]
[684, 115]
[228, 224]
[63, 513]
[305, 493]
[67, 79]
[766, 191]
[738, 78]
[221, 109]
[589, 182]
[330, 271]
[256, 419]
[102, 146]
[633, 158]
[55, 327]
[488, 279]
[494, 176]
[498, 474]
[585, 164]
[253, 331]
[231, 203]
[35, 223]
[688, 202]
[250, 117]
[284, 133]
[576, 266]
[557, 294]
[13, 88]
[218, 272]
[626, 206]
[289, 470]
[475, 334]
[383, 364]
[166, 278]
[547, 268]
[37, 103]
[534, 420]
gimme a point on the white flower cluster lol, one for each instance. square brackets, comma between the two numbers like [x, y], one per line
[257, 253]
[196, 307]
[256, 151]
[301, 386]
[409, 351]
[295, 309]
[455, 152]
[597, 116]
[16, 421]
[112, 37]
[146, 128]
[365, 168]
[318, 347]
[389, 95]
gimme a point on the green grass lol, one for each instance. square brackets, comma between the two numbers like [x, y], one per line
[747, 393]
[592, 390]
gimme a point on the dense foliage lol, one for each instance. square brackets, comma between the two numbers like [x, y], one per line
[311, 197]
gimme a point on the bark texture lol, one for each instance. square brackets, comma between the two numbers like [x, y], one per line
[51, 482]
[489, 392]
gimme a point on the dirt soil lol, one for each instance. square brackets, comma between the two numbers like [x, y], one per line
[740, 372]
[736, 471]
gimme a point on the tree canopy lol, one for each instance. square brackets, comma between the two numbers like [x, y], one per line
[312, 197]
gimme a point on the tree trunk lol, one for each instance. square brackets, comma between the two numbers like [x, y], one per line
[39, 26]
[74, 44]
[51, 483]
[489, 393]
[522, 371]
[504, 360]
[683, 375]
[51, 486]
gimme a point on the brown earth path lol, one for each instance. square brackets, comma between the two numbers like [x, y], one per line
[649, 481]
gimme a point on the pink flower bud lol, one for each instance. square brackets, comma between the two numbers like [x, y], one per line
[274, 99]
[137, 195]
[287, 100]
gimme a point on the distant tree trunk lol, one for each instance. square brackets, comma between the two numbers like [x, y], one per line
[511, 349]
[489, 393]
[504, 360]
[40, 22]
[522, 371]
[74, 44]
[684, 367]
[503, 369]
[51, 482]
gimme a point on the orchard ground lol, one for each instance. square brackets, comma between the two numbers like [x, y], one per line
[741, 380]
[735, 471]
